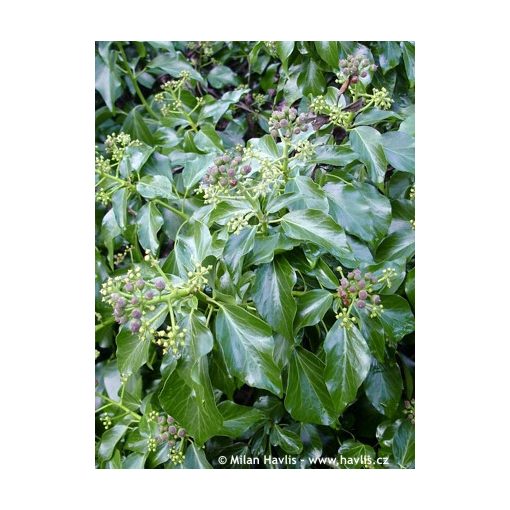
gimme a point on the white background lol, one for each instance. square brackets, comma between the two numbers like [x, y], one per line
[47, 249]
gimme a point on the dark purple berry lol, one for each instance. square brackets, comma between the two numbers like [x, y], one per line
[233, 182]
[352, 288]
[354, 79]
[159, 283]
[363, 74]
[135, 326]
[231, 172]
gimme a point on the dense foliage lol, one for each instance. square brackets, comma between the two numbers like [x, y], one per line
[254, 254]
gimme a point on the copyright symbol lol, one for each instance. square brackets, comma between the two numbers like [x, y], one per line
[222, 460]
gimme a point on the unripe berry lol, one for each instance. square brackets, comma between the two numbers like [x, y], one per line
[361, 284]
[236, 160]
[376, 299]
[233, 182]
[149, 294]
[344, 282]
[136, 313]
[343, 62]
[363, 294]
[284, 123]
[226, 158]
[223, 181]
[352, 288]
[164, 436]
[181, 432]
[297, 131]
[304, 127]
[172, 429]
[135, 326]
[373, 68]
[122, 320]
[114, 298]
[140, 284]
[159, 283]
[213, 170]
[361, 304]
[345, 71]
[170, 419]
[128, 287]
[363, 74]
[354, 79]
[121, 302]
[274, 133]
[222, 169]
[171, 443]
[246, 170]
[134, 300]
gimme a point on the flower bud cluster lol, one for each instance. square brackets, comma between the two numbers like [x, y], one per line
[237, 223]
[304, 150]
[381, 98]
[355, 67]
[173, 434]
[172, 340]
[286, 122]
[412, 193]
[115, 145]
[335, 113]
[106, 420]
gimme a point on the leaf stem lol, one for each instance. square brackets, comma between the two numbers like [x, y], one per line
[136, 416]
[170, 208]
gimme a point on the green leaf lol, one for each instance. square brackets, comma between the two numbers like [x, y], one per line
[307, 194]
[399, 244]
[409, 286]
[237, 246]
[110, 438]
[311, 80]
[317, 227]
[135, 125]
[108, 83]
[396, 318]
[199, 339]
[237, 420]
[408, 53]
[287, 440]
[134, 158]
[367, 142]
[132, 352]
[335, 155]
[195, 458]
[149, 221]
[284, 50]
[328, 51]
[208, 140]
[399, 149]
[403, 445]
[187, 395]
[307, 398]
[174, 64]
[272, 294]
[360, 208]
[383, 387]
[119, 205]
[389, 55]
[347, 364]
[192, 246]
[355, 455]
[372, 331]
[375, 116]
[221, 75]
[155, 186]
[247, 347]
[311, 307]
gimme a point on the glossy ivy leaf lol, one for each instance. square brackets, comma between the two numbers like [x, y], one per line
[360, 208]
[306, 193]
[134, 158]
[397, 318]
[389, 53]
[383, 387]
[135, 125]
[284, 50]
[195, 458]
[367, 142]
[111, 437]
[155, 186]
[399, 150]
[192, 246]
[335, 155]
[149, 223]
[132, 352]
[372, 331]
[199, 339]
[237, 246]
[108, 83]
[397, 245]
[408, 54]
[220, 75]
[403, 445]
[237, 419]
[347, 364]
[328, 51]
[272, 294]
[317, 227]
[247, 347]
[375, 116]
[287, 440]
[189, 398]
[311, 79]
[307, 398]
[119, 205]
[355, 455]
[410, 286]
[311, 307]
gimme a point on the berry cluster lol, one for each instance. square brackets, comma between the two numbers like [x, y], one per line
[172, 340]
[172, 433]
[355, 67]
[132, 298]
[286, 122]
[409, 410]
[357, 288]
[226, 172]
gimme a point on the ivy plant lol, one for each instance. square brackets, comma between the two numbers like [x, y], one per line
[255, 255]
